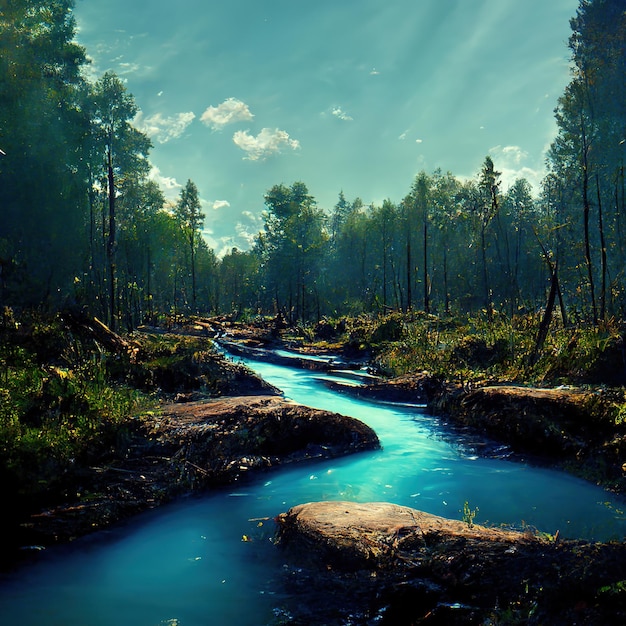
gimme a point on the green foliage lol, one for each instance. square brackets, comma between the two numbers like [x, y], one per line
[466, 348]
[468, 514]
[450, 246]
[56, 410]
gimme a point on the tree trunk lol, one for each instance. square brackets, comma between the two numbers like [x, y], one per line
[409, 291]
[111, 245]
[603, 254]
[544, 327]
[586, 209]
[445, 281]
[426, 281]
[487, 292]
[193, 274]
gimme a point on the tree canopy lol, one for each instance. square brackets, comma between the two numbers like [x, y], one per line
[83, 224]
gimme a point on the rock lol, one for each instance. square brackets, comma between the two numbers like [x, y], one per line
[557, 422]
[263, 430]
[352, 535]
[380, 563]
[419, 388]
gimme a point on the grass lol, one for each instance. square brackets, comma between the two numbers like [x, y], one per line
[58, 408]
[472, 348]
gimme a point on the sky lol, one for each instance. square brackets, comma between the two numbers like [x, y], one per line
[356, 96]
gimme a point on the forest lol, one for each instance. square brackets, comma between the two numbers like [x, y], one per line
[83, 226]
[503, 307]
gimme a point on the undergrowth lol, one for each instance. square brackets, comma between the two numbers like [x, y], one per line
[59, 407]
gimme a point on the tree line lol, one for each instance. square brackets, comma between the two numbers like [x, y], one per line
[82, 223]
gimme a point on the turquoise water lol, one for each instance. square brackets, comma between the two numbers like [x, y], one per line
[210, 560]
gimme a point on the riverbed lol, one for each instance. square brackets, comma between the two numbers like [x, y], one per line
[210, 559]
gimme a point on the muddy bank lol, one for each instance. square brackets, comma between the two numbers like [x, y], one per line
[189, 447]
[352, 563]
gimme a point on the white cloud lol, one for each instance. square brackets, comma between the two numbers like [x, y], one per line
[269, 141]
[512, 155]
[128, 68]
[229, 112]
[170, 186]
[245, 235]
[163, 129]
[512, 162]
[340, 114]
[220, 204]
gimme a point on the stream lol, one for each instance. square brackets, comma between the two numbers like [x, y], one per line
[209, 560]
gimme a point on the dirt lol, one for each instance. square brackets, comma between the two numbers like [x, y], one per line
[190, 447]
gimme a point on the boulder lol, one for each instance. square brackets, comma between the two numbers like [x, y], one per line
[373, 535]
[380, 563]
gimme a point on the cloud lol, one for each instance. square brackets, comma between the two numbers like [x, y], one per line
[340, 114]
[128, 68]
[163, 129]
[403, 136]
[229, 112]
[511, 161]
[220, 204]
[511, 155]
[268, 142]
[170, 186]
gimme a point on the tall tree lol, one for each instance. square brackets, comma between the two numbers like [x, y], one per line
[418, 218]
[487, 209]
[191, 220]
[518, 208]
[591, 119]
[42, 186]
[292, 246]
[125, 153]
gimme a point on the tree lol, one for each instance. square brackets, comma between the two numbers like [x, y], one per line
[291, 248]
[383, 220]
[589, 147]
[238, 278]
[417, 212]
[42, 184]
[125, 154]
[191, 220]
[487, 209]
[519, 210]
[340, 214]
[449, 223]
[140, 205]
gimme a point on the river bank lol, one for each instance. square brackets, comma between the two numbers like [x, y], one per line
[191, 447]
[165, 458]
[574, 428]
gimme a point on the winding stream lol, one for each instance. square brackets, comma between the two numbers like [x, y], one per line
[209, 560]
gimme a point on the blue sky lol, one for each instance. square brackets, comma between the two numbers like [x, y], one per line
[352, 95]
